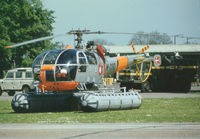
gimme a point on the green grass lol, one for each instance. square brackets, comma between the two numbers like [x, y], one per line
[152, 110]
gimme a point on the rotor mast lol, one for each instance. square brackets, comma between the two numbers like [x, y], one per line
[79, 35]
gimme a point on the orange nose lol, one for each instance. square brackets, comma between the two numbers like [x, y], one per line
[58, 86]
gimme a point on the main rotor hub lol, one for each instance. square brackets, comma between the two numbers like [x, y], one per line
[79, 34]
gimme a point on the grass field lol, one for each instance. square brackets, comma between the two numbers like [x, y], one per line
[152, 110]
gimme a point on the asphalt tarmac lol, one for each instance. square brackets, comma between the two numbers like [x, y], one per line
[105, 130]
[101, 131]
[144, 95]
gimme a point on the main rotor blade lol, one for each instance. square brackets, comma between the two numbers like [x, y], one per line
[122, 33]
[35, 40]
[98, 32]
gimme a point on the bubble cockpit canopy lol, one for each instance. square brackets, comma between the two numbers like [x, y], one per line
[64, 65]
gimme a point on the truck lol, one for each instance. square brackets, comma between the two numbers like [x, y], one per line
[18, 79]
[179, 68]
[174, 75]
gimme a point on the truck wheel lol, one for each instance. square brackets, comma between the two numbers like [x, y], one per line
[145, 87]
[1, 92]
[11, 93]
[185, 87]
[25, 89]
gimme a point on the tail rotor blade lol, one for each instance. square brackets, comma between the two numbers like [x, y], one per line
[133, 47]
[143, 49]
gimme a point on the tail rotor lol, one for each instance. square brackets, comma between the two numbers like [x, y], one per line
[140, 68]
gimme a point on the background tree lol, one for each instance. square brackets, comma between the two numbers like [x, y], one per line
[141, 38]
[23, 20]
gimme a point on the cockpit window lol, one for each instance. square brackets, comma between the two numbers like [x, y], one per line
[37, 65]
[82, 62]
[82, 59]
[38, 59]
[51, 57]
[91, 58]
[80, 54]
[65, 73]
[68, 57]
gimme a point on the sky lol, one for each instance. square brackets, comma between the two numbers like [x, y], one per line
[165, 16]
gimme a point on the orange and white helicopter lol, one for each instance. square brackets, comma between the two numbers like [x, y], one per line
[66, 71]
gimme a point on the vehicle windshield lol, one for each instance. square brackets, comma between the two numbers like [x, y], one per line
[10, 75]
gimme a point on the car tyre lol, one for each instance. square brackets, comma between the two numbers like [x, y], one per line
[1, 91]
[25, 89]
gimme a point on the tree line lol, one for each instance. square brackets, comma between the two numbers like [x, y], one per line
[141, 38]
[23, 20]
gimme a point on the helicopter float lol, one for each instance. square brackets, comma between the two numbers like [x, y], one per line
[68, 77]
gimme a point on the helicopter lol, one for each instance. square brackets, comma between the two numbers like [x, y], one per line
[63, 72]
